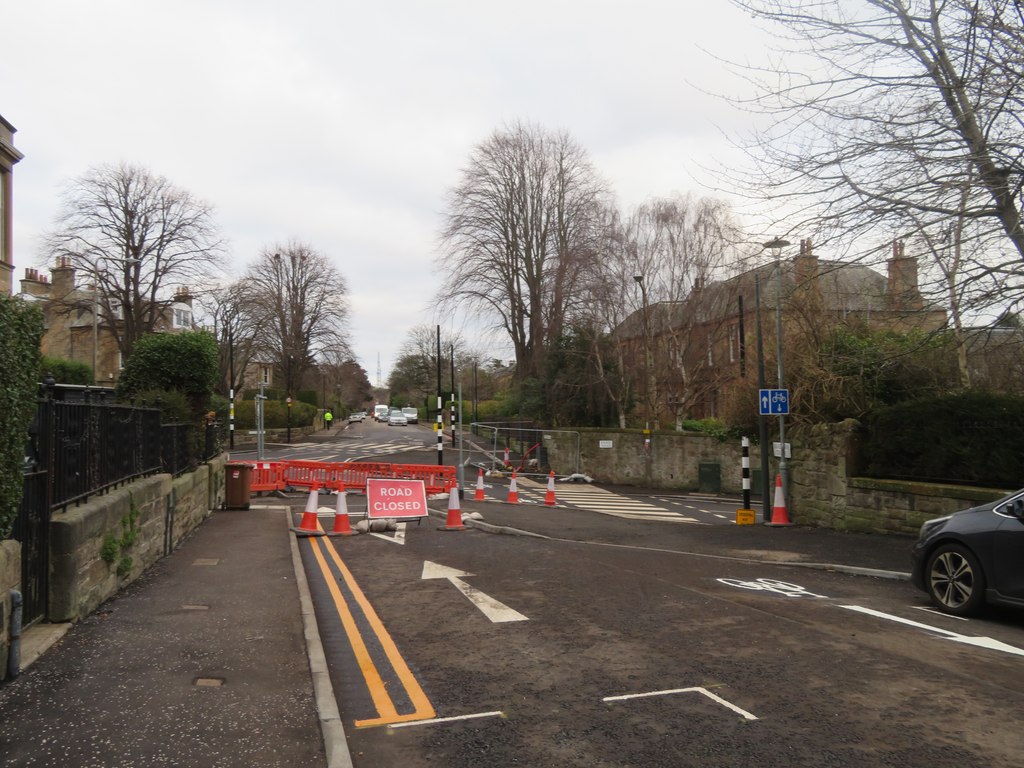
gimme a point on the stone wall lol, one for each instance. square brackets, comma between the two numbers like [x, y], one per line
[10, 578]
[109, 541]
[673, 459]
[824, 489]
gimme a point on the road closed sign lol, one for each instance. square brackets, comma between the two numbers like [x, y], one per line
[396, 498]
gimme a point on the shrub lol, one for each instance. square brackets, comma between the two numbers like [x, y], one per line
[974, 437]
[186, 362]
[22, 324]
[65, 371]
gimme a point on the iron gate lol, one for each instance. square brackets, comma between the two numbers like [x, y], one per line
[32, 529]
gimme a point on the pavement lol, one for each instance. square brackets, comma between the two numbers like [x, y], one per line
[212, 657]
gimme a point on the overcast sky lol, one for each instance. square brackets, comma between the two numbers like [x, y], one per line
[343, 124]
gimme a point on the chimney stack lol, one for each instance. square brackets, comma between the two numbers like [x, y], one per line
[903, 290]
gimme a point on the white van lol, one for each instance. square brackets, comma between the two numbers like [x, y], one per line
[380, 412]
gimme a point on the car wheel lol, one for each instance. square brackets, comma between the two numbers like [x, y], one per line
[955, 581]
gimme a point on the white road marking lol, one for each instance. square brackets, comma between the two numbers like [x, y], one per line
[702, 691]
[397, 538]
[940, 613]
[981, 642]
[771, 585]
[608, 503]
[436, 720]
[495, 611]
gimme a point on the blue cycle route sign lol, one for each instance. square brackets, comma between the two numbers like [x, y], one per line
[774, 402]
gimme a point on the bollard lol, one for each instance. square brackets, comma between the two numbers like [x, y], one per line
[14, 654]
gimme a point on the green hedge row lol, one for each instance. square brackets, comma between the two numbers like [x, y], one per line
[973, 438]
[22, 326]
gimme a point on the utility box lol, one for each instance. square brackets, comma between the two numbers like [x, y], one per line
[237, 484]
[709, 477]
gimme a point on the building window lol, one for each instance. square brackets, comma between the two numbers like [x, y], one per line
[734, 339]
[182, 318]
[3, 217]
[265, 373]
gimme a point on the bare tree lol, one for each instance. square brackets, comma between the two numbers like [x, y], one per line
[237, 328]
[898, 116]
[520, 234]
[139, 238]
[415, 372]
[650, 291]
[300, 298]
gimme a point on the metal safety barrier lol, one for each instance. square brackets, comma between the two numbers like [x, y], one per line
[285, 475]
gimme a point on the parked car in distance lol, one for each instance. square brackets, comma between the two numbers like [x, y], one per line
[397, 419]
[354, 417]
[411, 415]
[973, 557]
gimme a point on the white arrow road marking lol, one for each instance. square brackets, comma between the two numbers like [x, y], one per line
[491, 608]
[981, 642]
[398, 538]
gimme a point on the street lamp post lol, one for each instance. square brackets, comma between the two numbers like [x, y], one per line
[647, 380]
[647, 352]
[776, 246]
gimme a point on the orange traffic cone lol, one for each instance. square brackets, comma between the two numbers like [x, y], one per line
[479, 495]
[513, 493]
[549, 497]
[507, 462]
[454, 522]
[309, 525]
[779, 515]
[342, 527]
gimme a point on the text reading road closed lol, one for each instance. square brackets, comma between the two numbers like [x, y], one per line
[396, 498]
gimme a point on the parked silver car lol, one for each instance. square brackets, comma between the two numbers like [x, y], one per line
[397, 419]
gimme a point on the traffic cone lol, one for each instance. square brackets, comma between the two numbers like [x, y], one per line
[342, 527]
[507, 462]
[779, 515]
[309, 526]
[454, 522]
[549, 497]
[479, 495]
[513, 494]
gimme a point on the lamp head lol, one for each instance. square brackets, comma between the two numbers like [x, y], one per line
[777, 244]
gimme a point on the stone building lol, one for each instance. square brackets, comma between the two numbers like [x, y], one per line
[9, 156]
[77, 328]
[704, 345]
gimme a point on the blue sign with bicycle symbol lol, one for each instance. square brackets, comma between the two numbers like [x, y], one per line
[774, 402]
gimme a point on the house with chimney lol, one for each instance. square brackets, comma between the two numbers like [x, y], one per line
[81, 324]
[686, 357]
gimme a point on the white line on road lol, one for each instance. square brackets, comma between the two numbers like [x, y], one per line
[702, 691]
[436, 720]
[981, 642]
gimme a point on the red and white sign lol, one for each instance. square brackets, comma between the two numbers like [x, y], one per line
[396, 498]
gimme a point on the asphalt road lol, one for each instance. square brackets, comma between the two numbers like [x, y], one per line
[471, 649]
[632, 657]
[647, 642]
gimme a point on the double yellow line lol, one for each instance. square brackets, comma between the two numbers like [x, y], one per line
[387, 713]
